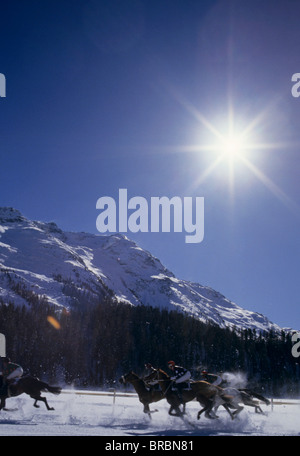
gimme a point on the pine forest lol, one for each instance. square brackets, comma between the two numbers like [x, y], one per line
[93, 345]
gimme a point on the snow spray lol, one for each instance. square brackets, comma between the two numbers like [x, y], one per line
[235, 379]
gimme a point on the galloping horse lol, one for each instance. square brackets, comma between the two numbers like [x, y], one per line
[31, 386]
[244, 396]
[248, 396]
[204, 392]
[146, 396]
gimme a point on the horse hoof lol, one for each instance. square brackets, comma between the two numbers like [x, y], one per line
[207, 415]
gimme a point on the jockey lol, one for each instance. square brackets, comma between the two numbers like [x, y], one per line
[181, 374]
[150, 385]
[213, 379]
[10, 371]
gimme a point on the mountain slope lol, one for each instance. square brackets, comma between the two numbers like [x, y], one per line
[40, 259]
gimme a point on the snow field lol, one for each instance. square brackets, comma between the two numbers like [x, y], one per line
[78, 414]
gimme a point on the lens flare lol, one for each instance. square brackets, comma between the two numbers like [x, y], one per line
[53, 322]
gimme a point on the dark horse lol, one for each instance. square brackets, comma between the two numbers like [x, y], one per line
[200, 390]
[146, 395]
[248, 397]
[31, 386]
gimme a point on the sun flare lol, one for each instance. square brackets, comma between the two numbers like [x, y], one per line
[236, 143]
[232, 146]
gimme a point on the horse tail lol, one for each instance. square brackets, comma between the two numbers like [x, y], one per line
[54, 389]
[51, 389]
[261, 398]
[257, 396]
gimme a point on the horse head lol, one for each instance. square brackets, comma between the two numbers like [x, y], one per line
[156, 376]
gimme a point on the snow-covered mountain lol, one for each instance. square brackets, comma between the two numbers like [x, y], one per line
[38, 258]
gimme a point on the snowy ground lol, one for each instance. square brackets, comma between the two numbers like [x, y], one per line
[94, 415]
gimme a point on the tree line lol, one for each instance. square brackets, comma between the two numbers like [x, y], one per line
[94, 344]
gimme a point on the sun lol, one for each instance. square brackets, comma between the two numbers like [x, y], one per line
[235, 142]
[232, 146]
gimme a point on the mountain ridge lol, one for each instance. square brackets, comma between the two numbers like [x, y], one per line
[46, 261]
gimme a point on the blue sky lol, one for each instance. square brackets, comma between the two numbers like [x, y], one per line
[103, 95]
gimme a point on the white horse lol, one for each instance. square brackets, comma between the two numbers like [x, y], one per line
[238, 396]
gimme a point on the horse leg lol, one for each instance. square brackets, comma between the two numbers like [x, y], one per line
[178, 412]
[215, 409]
[237, 411]
[147, 410]
[40, 398]
[200, 412]
[249, 401]
[220, 400]
[2, 403]
[228, 410]
[258, 409]
[211, 409]
[206, 413]
[206, 410]
[171, 410]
